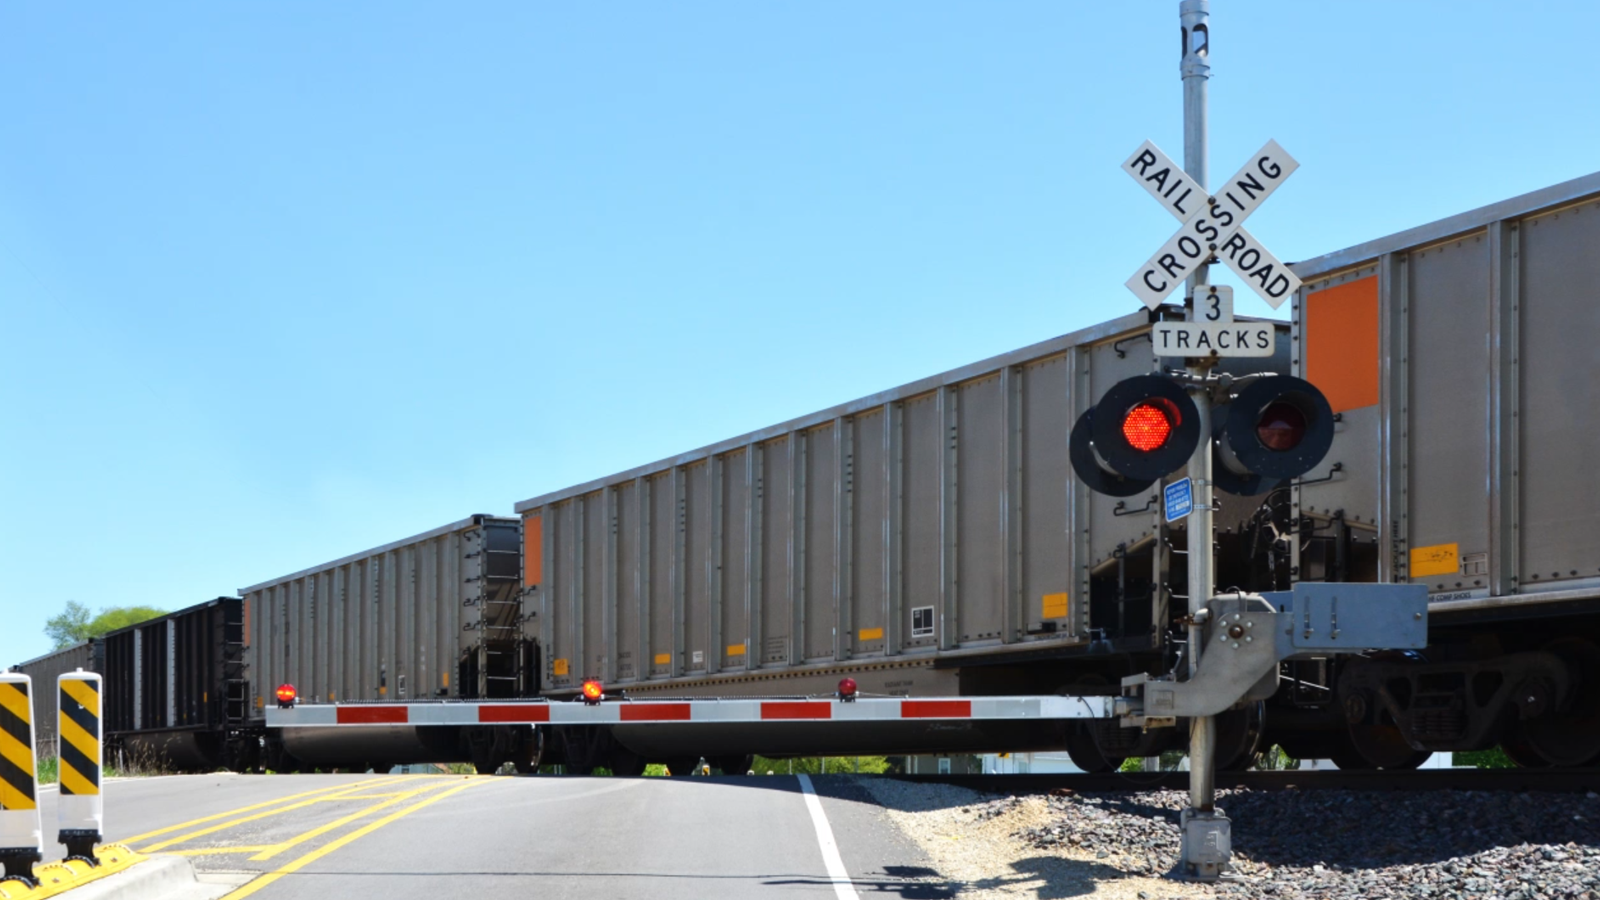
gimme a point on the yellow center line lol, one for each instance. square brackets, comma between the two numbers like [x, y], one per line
[309, 858]
[275, 849]
[361, 785]
[243, 809]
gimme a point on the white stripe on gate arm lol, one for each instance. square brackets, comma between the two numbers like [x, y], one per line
[837, 873]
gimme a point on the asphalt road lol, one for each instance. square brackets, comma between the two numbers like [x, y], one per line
[400, 837]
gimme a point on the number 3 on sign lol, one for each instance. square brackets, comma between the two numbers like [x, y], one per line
[1215, 306]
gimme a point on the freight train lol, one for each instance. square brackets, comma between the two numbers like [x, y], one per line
[931, 540]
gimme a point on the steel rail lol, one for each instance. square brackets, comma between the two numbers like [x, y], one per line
[1501, 780]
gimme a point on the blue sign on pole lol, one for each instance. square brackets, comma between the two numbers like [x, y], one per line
[1180, 499]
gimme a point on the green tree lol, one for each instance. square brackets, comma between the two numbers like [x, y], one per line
[69, 627]
[74, 625]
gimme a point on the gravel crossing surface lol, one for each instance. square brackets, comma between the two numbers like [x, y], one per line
[1335, 844]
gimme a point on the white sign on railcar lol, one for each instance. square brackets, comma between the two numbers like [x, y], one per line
[1213, 225]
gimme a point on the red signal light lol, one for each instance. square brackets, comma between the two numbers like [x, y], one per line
[286, 695]
[847, 689]
[1148, 425]
[1281, 426]
[1144, 428]
[593, 692]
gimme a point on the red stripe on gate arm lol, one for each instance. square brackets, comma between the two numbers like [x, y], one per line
[796, 709]
[521, 712]
[935, 709]
[372, 715]
[654, 712]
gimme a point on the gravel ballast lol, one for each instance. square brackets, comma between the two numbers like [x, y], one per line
[1438, 845]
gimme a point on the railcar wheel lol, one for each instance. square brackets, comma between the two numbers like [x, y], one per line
[626, 763]
[1086, 755]
[1239, 737]
[1113, 744]
[732, 765]
[1522, 753]
[1571, 737]
[1373, 734]
[278, 759]
[1382, 746]
[682, 767]
[1342, 753]
[528, 753]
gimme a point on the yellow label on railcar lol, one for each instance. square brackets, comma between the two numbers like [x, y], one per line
[1053, 606]
[663, 659]
[1440, 559]
[735, 649]
[872, 634]
[558, 667]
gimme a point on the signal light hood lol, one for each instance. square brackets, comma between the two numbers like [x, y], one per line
[1126, 426]
[1283, 410]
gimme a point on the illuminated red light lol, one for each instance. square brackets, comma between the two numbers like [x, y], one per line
[1282, 426]
[593, 691]
[1147, 426]
[286, 694]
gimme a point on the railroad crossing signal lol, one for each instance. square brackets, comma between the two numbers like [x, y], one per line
[1213, 225]
[1142, 429]
[1277, 427]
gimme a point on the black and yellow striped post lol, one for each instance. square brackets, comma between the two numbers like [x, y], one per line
[81, 809]
[21, 833]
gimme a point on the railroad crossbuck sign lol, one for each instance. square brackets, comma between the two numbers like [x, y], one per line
[1212, 225]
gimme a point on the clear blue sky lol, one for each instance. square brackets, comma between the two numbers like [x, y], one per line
[281, 282]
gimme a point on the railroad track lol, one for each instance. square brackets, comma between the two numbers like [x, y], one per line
[1547, 780]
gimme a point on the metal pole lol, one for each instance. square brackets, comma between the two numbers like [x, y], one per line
[1205, 848]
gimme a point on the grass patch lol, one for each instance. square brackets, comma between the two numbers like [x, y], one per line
[49, 771]
[823, 765]
[1494, 758]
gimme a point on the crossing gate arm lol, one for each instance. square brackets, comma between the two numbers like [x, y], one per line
[627, 712]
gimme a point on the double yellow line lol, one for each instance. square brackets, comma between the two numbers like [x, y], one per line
[211, 825]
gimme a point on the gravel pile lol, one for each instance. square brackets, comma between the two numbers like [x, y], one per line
[1340, 845]
[975, 842]
[1439, 845]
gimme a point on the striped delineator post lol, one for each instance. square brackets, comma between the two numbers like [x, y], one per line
[81, 810]
[21, 834]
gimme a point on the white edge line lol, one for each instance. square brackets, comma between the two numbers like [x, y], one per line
[837, 873]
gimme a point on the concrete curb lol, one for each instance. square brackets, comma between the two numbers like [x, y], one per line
[156, 878]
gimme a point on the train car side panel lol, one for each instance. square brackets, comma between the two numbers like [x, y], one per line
[1558, 493]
